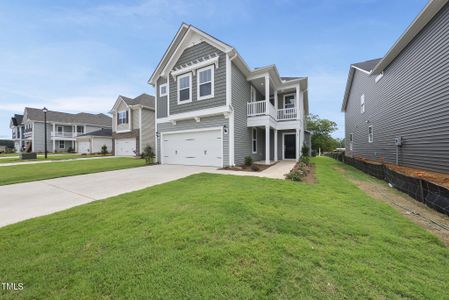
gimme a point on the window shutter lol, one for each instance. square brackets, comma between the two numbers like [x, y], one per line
[117, 116]
[127, 117]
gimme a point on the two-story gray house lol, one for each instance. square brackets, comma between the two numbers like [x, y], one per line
[212, 109]
[28, 130]
[397, 107]
[133, 125]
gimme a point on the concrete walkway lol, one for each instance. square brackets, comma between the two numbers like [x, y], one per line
[276, 171]
[52, 161]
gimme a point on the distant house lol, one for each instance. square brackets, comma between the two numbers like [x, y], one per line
[397, 107]
[62, 129]
[133, 125]
[93, 142]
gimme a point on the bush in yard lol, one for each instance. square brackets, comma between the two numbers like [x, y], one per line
[305, 159]
[104, 150]
[305, 150]
[248, 161]
[71, 150]
[148, 155]
[295, 175]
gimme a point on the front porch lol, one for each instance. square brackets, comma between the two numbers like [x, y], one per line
[269, 145]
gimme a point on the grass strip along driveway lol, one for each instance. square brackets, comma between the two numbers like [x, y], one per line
[32, 172]
[51, 157]
[222, 236]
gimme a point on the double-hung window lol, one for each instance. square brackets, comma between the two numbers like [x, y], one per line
[362, 103]
[205, 84]
[254, 140]
[163, 90]
[122, 117]
[370, 134]
[184, 88]
[351, 140]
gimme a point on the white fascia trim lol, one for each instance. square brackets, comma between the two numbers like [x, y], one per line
[114, 108]
[379, 77]
[197, 113]
[212, 73]
[229, 104]
[361, 70]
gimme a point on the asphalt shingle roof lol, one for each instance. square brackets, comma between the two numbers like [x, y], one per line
[36, 114]
[101, 132]
[143, 99]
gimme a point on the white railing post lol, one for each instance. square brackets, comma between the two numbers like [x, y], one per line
[267, 144]
[267, 92]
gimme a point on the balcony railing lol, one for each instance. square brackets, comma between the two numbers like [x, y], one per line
[258, 108]
[64, 134]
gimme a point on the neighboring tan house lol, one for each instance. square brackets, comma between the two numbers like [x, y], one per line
[133, 125]
[93, 142]
[397, 107]
[62, 129]
[213, 110]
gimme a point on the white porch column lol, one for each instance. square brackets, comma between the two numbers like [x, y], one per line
[267, 92]
[297, 143]
[298, 115]
[275, 143]
[52, 137]
[267, 144]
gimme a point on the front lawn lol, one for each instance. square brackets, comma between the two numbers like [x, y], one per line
[222, 236]
[32, 172]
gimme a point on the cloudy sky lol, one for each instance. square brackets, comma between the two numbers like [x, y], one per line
[79, 55]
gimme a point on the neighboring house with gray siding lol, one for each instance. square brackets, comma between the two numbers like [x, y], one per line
[133, 125]
[404, 95]
[213, 110]
[28, 130]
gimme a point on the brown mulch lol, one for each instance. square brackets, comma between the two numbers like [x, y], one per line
[424, 216]
[246, 168]
[310, 178]
[435, 177]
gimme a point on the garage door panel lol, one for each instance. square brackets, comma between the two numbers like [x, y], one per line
[202, 148]
[125, 147]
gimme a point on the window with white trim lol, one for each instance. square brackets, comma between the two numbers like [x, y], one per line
[184, 88]
[254, 140]
[163, 90]
[122, 117]
[61, 144]
[370, 134]
[205, 84]
[351, 140]
[362, 103]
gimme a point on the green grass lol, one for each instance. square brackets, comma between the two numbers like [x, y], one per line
[49, 157]
[32, 172]
[221, 236]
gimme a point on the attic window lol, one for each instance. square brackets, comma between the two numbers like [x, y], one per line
[163, 90]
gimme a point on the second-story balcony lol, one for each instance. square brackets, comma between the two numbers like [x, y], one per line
[64, 134]
[259, 108]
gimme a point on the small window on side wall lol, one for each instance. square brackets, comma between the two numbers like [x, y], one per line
[254, 140]
[362, 103]
[351, 140]
[163, 90]
[205, 83]
[370, 134]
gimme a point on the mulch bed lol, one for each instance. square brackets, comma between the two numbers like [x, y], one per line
[246, 168]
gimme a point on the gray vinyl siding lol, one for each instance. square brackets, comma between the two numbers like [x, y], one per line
[214, 121]
[148, 128]
[39, 137]
[411, 100]
[135, 119]
[162, 107]
[90, 128]
[190, 54]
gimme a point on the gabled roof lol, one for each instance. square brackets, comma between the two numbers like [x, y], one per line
[143, 100]
[16, 120]
[104, 132]
[425, 16]
[36, 114]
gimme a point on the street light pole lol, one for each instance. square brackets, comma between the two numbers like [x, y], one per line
[45, 130]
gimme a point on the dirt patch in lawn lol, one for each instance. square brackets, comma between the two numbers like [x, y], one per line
[310, 177]
[424, 216]
[245, 168]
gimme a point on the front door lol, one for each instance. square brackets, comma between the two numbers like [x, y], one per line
[289, 146]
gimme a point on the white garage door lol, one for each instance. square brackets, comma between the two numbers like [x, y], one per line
[199, 148]
[84, 147]
[125, 147]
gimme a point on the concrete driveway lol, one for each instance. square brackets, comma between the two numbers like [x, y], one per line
[23, 201]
